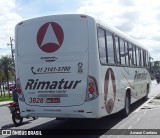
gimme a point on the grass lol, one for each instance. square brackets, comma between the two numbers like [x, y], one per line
[6, 98]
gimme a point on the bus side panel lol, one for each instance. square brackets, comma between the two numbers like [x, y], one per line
[111, 90]
[117, 82]
[98, 71]
[94, 63]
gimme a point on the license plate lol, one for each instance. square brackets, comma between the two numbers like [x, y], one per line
[53, 100]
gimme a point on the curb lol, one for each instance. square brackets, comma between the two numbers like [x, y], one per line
[5, 103]
[156, 97]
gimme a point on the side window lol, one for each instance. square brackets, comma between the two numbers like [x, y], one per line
[122, 52]
[102, 47]
[110, 49]
[147, 58]
[137, 55]
[134, 55]
[126, 52]
[131, 62]
[117, 49]
[142, 60]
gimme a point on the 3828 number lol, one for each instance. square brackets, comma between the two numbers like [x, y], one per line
[35, 100]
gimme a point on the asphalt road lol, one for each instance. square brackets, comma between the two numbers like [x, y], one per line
[145, 115]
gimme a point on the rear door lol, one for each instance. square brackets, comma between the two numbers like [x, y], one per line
[53, 60]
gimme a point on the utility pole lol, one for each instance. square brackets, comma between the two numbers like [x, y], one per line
[11, 44]
[12, 52]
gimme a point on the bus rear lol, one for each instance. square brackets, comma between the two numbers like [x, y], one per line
[52, 67]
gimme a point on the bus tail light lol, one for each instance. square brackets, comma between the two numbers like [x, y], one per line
[19, 91]
[92, 89]
[12, 105]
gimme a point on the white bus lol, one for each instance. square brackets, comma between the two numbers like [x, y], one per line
[73, 66]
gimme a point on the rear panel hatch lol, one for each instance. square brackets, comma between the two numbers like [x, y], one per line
[53, 60]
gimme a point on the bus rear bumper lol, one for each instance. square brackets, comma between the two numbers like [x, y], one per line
[90, 109]
[53, 115]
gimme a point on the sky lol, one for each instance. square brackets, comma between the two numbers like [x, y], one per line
[140, 19]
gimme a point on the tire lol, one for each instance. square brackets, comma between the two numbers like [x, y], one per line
[35, 118]
[17, 119]
[146, 97]
[60, 118]
[126, 110]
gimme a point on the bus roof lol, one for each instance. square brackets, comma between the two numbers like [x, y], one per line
[98, 21]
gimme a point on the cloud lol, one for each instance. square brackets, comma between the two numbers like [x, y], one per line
[8, 20]
[35, 8]
[126, 2]
[138, 19]
[128, 20]
[6, 6]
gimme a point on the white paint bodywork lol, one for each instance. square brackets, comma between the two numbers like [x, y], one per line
[80, 45]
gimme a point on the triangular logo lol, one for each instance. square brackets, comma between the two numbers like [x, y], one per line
[110, 84]
[50, 36]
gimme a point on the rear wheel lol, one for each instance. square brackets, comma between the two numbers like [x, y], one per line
[60, 118]
[35, 118]
[126, 110]
[17, 119]
[147, 93]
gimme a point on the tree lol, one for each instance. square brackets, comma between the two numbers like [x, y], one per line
[8, 68]
[1, 74]
[156, 66]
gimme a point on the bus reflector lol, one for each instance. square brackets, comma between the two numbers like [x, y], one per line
[19, 91]
[92, 90]
[83, 16]
[80, 111]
